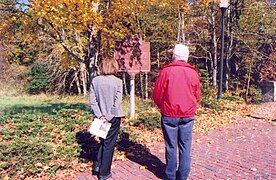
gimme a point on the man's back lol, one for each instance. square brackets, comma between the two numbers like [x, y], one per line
[177, 90]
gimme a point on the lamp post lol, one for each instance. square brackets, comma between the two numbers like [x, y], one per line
[223, 6]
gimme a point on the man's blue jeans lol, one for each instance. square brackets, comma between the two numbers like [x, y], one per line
[178, 135]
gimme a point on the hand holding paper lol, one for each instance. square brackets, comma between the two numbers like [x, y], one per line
[99, 128]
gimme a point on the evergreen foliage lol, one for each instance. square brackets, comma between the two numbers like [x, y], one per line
[39, 79]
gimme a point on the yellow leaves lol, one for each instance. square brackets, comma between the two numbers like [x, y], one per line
[143, 167]
[38, 164]
[120, 156]
[163, 4]
[266, 130]
[208, 119]
[41, 14]
[45, 168]
[6, 177]
[241, 137]
[207, 2]
[6, 23]
[13, 18]
[211, 142]
[67, 14]
[197, 141]
[161, 150]
[155, 136]
[113, 165]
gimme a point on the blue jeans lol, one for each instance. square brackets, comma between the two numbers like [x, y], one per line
[178, 135]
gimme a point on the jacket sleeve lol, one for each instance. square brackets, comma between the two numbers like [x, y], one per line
[94, 103]
[196, 88]
[159, 89]
[118, 98]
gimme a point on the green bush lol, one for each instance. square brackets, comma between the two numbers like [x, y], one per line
[208, 97]
[149, 120]
[131, 135]
[256, 94]
[39, 78]
[147, 115]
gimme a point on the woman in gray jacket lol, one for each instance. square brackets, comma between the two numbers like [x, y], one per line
[105, 101]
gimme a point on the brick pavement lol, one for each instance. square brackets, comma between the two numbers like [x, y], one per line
[239, 151]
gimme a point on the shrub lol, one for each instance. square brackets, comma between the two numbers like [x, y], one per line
[39, 79]
[148, 119]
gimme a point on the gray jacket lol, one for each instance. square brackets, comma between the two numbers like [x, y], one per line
[106, 96]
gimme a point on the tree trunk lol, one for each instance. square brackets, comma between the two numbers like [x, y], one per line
[83, 78]
[158, 58]
[77, 80]
[89, 56]
[249, 78]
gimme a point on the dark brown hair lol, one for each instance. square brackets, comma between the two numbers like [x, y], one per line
[109, 66]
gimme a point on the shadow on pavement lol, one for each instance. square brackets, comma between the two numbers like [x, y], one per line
[133, 151]
[140, 154]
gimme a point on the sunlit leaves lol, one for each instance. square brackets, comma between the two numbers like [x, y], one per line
[115, 21]
[74, 14]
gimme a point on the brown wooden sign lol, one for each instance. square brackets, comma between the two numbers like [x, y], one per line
[133, 55]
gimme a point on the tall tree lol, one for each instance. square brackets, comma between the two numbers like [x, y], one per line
[255, 39]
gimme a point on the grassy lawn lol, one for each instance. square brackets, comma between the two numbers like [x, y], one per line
[46, 136]
[42, 136]
[36, 100]
[39, 134]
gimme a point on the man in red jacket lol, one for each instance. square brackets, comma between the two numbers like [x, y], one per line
[176, 93]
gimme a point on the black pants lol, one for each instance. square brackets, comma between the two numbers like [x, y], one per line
[106, 150]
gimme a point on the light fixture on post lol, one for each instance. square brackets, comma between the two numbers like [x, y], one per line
[223, 6]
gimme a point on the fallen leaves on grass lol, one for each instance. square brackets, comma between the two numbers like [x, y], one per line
[208, 119]
[58, 130]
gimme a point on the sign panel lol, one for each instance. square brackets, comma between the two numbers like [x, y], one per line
[133, 55]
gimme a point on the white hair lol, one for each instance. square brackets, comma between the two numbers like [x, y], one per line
[181, 52]
[180, 58]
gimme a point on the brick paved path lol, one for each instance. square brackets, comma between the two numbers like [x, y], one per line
[241, 151]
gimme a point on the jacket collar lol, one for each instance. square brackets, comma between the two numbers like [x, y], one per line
[180, 63]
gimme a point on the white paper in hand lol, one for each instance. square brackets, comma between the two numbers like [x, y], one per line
[99, 128]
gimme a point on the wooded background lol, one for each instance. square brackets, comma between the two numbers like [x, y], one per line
[55, 46]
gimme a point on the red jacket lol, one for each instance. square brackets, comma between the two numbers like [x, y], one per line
[177, 90]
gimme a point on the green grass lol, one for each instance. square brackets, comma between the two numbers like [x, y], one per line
[40, 131]
[41, 134]
[41, 104]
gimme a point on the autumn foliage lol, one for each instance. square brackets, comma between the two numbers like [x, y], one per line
[60, 42]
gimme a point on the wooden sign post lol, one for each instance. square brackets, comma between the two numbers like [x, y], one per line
[133, 57]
